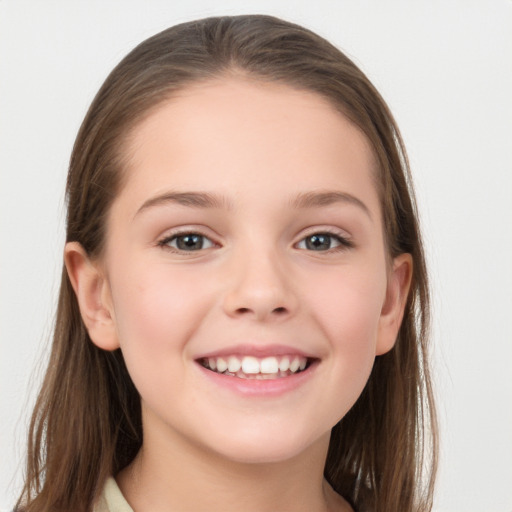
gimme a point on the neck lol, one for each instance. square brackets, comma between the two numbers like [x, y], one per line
[167, 475]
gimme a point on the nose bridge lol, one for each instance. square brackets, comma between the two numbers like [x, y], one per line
[259, 283]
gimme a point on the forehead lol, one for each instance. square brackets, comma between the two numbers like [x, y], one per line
[235, 133]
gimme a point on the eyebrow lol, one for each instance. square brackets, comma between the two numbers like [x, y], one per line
[327, 198]
[207, 200]
[190, 199]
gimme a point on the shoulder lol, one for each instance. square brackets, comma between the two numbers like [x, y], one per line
[111, 499]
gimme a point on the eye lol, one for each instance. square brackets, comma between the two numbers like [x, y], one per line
[187, 242]
[323, 242]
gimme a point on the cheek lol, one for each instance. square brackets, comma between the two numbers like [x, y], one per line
[348, 307]
[156, 311]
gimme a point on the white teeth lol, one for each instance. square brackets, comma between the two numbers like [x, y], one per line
[250, 365]
[294, 365]
[234, 364]
[284, 365]
[269, 365]
[222, 365]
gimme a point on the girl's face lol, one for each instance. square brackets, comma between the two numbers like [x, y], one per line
[248, 239]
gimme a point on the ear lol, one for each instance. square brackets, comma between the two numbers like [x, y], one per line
[93, 294]
[399, 282]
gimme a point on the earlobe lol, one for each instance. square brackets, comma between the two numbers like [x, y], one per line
[399, 283]
[93, 296]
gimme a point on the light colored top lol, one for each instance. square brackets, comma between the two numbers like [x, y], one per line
[111, 499]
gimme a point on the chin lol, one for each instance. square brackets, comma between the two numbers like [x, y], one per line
[267, 447]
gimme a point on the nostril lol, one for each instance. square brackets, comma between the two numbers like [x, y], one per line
[280, 310]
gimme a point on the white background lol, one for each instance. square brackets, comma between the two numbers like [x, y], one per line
[445, 68]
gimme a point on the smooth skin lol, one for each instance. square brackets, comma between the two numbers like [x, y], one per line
[255, 172]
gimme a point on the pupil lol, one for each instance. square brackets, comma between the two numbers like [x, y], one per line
[318, 242]
[190, 242]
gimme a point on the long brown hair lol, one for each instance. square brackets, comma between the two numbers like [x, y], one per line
[87, 419]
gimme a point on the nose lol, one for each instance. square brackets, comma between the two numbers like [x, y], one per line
[259, 288]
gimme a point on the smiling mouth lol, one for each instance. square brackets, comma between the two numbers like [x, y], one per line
[250, 367]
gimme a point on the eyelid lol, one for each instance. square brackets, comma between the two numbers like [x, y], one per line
[343, 237]
[328, 230]
[163, 240]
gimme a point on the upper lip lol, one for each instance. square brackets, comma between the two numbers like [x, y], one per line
[257, 350]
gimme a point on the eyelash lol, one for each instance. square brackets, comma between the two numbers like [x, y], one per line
[343, 242]
[165, 242]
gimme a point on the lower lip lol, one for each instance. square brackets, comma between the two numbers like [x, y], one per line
[257, 387]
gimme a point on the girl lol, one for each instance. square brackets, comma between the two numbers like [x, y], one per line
[242, 322]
